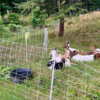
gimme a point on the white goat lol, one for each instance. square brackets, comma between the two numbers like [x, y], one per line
[67, 62]
[58, 61]
[54, 56]
[98, 49]
[72, 49]
[83, 58]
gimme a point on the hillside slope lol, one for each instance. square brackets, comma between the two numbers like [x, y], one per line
[80, 31]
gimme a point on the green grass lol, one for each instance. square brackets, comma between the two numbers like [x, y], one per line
[68, 82]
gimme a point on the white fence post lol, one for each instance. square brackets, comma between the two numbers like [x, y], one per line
[45, 40]
[52, 76]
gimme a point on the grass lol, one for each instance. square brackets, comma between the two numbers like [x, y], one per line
[75, 83]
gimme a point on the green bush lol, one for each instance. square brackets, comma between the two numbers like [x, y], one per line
[24, 23]
[13, 18]
[38, 18]
[1, 27]
[14, 27]
[1, 30]
[1, 21]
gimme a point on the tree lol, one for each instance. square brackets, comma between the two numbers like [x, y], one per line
[65, 10]
[27, 7]
[61, 32]
[38, 18]
[8, 5]
[51, 7]
[91, 4]
[4, 7]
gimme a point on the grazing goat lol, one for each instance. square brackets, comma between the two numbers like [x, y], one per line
[83, 58]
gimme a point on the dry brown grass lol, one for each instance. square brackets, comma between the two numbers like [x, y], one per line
[87, 23]
[24, 18]
[56, 29]
[82, 31]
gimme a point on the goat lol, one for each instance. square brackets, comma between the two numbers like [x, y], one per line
[83, 58]
[97, 55]
[66, 56]
[67, 62]
[54, 56]
[58, 61]
[67, 46]
[92, 48]
[96, 52]
[98, 49]
[83, 53]
[73, 51]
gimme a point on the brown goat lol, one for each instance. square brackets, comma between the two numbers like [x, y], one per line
[65, 56]
[95, 52]
[93, 49]
[96, 55]
[66, 45]
[84, 53]
[73, 53]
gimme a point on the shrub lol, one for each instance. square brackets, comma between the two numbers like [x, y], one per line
[1, 30]
[13, 18]
[1, 26]
[14, 27]
[1, 21]
[24, 23]
[38, 18]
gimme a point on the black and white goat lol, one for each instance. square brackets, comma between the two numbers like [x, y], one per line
[55, 62]
[59, 60]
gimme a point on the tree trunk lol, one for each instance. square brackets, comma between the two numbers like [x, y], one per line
[61, 27]
[88, 8]
[61, 31]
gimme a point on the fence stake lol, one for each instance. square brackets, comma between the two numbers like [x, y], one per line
[52, 76]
